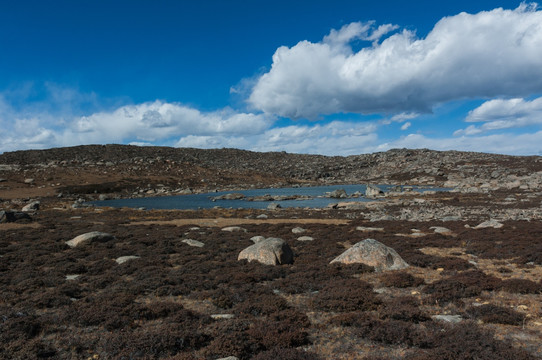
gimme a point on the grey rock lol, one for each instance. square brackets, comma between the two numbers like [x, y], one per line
[72, 277]
[373, 253]
[298, 230]
[229, 358]
[338, 194]
[234, 228]
[193, 243]
[274, 206]
[454, 319]
[231, 196]
[441, 230]
[89, 237]
[28, 181]
[123, 259]
[369, 229]
[262, 216]
[222, 316]
[33, 206]
[305, 238]
[271, 251]
[489, 224]
[373, 191]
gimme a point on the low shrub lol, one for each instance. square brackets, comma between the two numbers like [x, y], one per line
[490, 313]
[400, 279]
[345, 295]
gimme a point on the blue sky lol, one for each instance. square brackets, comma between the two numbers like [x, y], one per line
[340, 78]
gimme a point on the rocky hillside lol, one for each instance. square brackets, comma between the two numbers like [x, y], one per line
[132, 170]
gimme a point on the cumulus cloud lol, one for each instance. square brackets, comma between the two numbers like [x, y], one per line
[335, 138]
[488, 54]
[141, 123]
[503, 114]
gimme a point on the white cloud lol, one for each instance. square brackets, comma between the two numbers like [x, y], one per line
[489, 54]
[335, 138]
[406, 125]
[503, 114]
[512, 144]
[142, 123]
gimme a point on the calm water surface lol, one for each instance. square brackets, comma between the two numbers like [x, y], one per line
[204, 201]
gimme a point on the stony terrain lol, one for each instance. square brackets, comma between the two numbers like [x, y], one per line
[262, 284]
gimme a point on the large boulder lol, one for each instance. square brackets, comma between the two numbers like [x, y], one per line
[271, 251]
[373, 253]
[89, 237]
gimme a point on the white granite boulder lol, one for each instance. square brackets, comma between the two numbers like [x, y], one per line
[89, 237]
[373, 253]
[271, 251]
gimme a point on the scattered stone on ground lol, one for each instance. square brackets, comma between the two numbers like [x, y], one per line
[123, 259]
[305, 238]
[453, 319]
[234, 228]
[337, 194]
[369, 229]
[441, 230]
[273, 206]
[32, 206]
[373, 253]
[88, 238]
[298, 230]
[489, 224]
[271, 251]
[72, 277]
[193, 243]
[373, 191]
[222, 316]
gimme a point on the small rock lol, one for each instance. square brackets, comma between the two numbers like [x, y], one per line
[123, 259]
[28, 181]
[72, 277]
[33, 206]
[271, 251]
[89, 237]
[373, 191]
[489, 224]
[373, 253]
[338, 194]
[262, 216]
[274, 206]
[454, 319]
[305, 238]
[441, 230]
[369, 229]
[298, 230]
[194, 243]
[229, 358]
[234, 228]
[222, 316]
